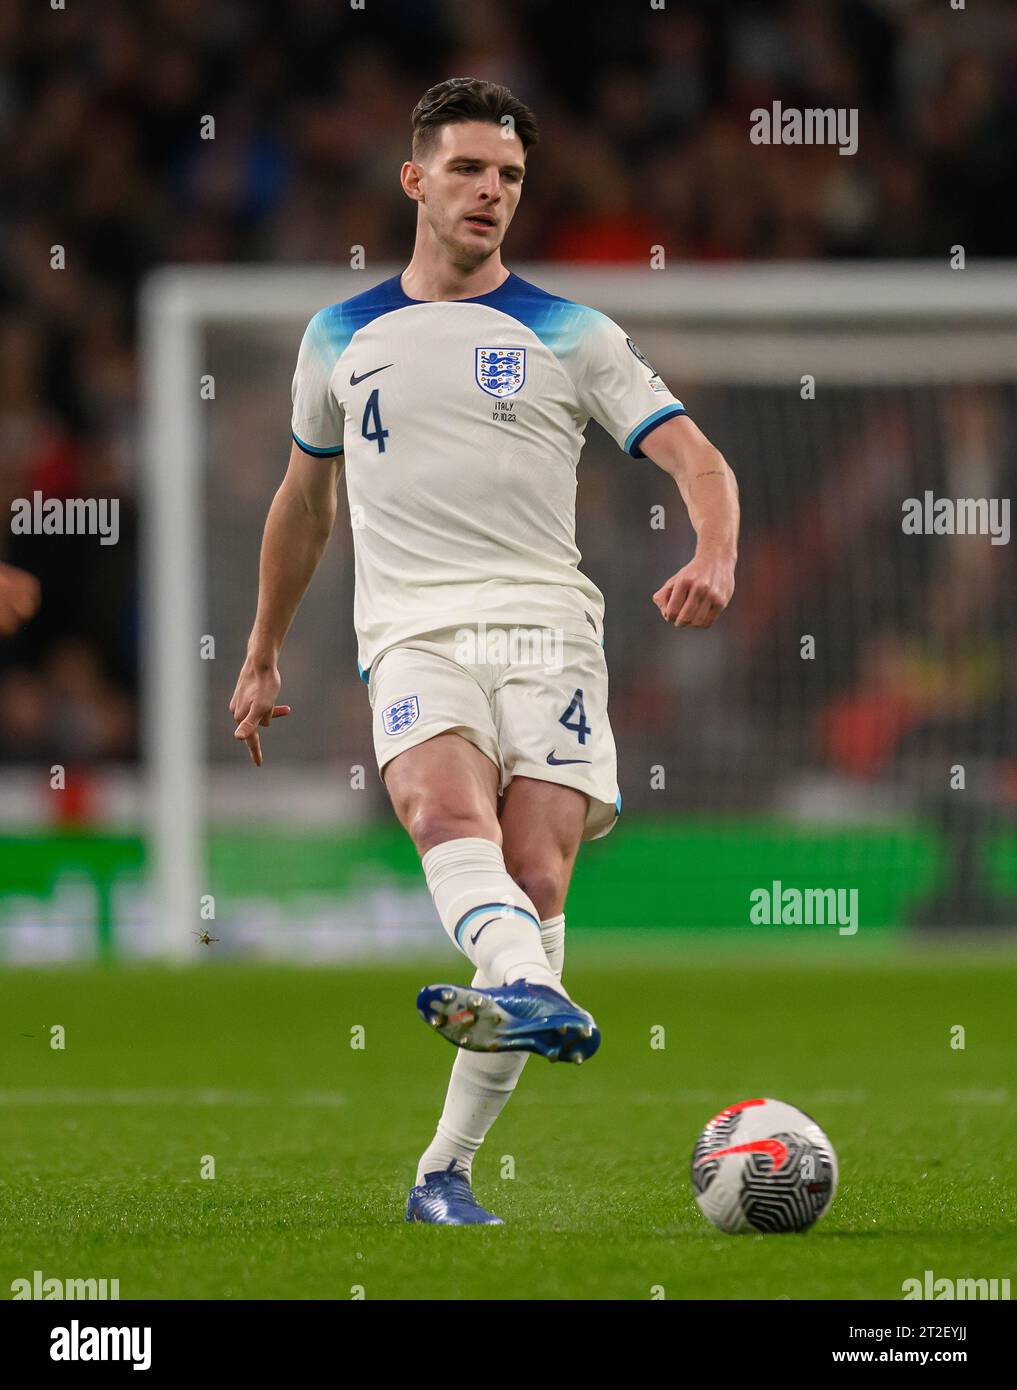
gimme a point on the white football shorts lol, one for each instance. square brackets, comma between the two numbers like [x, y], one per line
[531, 699]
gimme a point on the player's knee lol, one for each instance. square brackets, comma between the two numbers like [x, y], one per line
[434, 823]
[544, 882]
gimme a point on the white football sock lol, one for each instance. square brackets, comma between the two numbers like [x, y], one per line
[482, 1082]
[486, 913]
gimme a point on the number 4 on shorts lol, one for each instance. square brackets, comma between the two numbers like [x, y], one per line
[580, 728]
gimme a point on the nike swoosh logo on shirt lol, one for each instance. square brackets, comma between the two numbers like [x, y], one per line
[356, 380]
[552, 761]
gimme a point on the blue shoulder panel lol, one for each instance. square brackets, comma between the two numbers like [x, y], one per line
[332, 328]
[558, 323]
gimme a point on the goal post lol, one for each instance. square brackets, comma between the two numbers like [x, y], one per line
[873, 325]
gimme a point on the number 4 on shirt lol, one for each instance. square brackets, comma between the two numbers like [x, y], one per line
[373, 416]
[580, 728]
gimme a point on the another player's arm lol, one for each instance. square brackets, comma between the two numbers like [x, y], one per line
[296, 532]
[702, 589]
[19, 598]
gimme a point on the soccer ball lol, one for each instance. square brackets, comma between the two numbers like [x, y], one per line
[762, 1165]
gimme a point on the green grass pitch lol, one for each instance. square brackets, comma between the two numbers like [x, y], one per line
[315, 1142]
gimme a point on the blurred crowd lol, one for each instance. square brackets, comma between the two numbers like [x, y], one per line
[645, 121]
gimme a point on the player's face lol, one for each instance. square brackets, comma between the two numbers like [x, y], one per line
[471, 184]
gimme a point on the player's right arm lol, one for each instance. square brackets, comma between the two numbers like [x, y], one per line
[296, 532]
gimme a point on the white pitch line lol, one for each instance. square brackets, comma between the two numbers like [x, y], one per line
[43, 1096]
[976, 1097]
[810, 1099]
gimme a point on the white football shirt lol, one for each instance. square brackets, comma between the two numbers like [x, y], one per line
[460, 424]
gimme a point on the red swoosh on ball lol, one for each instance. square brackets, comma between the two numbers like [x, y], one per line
[773, 1147]
[734, 1110]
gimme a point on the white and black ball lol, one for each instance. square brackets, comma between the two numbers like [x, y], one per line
[763, 1166]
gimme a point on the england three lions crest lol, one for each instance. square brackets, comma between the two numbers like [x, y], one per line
[501, 371]
[398, 717]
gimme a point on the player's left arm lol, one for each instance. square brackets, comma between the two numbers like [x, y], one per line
[702, 589]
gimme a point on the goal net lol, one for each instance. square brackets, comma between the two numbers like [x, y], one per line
[848, 724]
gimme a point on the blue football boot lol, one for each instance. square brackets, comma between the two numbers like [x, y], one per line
[517, 1017]
[446, 1199]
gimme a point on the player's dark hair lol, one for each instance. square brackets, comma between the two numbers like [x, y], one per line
[469, 99]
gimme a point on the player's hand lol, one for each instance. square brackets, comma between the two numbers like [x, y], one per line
[699, 593]
[20, 596]
[253, 705]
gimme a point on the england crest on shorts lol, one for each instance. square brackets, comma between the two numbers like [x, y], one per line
[501, 371]
[398, 717]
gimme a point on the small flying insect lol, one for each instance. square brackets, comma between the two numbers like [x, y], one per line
[204, 938]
